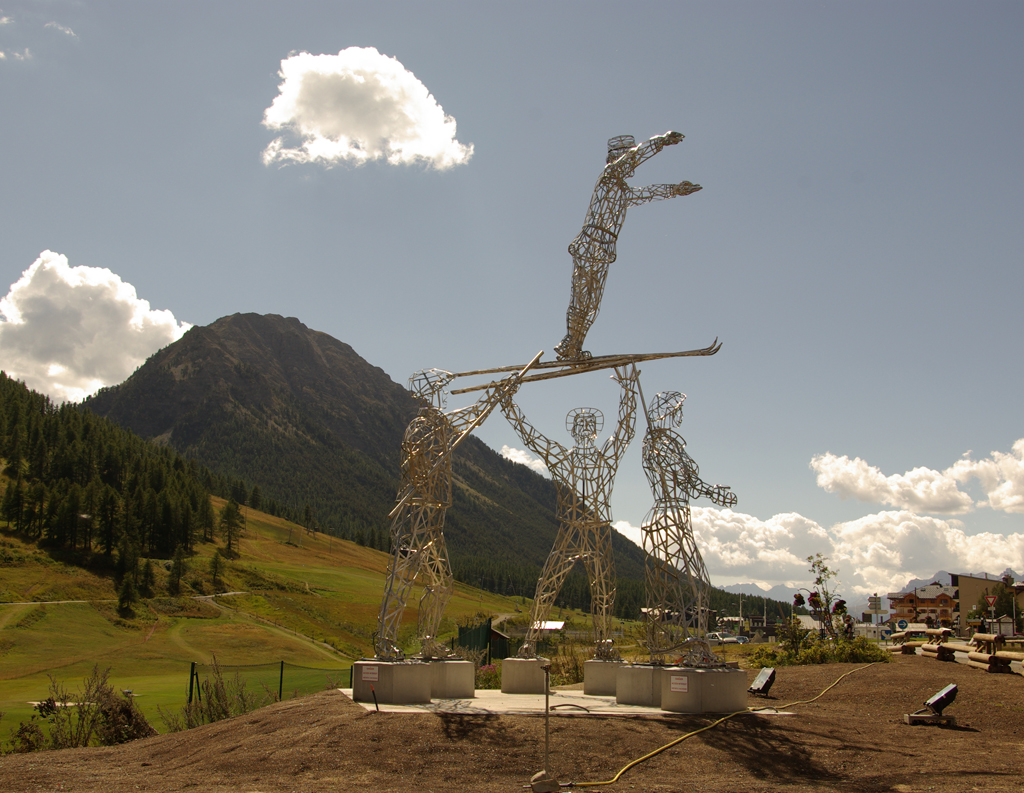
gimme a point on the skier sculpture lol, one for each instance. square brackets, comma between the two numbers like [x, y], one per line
[583, 479]
[417, 528]
[595, 246]
[676, 579]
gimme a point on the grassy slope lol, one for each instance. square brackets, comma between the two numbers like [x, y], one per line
[310, 600]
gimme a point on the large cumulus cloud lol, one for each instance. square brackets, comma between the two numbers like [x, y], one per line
[875, 553]
[69, 331]
[356, 106]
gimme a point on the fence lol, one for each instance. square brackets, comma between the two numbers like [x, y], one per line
[281, 678]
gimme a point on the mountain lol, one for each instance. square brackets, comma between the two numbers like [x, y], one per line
[304, 417]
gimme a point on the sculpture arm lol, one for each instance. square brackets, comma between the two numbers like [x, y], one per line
[656, 192]
[616, 445]
[545, 448]
[649, 148]
[719, 494]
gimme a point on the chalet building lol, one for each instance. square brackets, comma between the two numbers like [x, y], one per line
[940, 603]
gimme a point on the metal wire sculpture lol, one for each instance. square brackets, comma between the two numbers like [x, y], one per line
[595, 246]
[677, 583]
[417, 528]
[583, 478]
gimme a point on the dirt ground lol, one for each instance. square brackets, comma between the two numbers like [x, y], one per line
[851, 739]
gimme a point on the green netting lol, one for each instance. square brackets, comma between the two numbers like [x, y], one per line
[280, 677]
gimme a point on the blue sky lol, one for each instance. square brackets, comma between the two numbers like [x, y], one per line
[856, 246]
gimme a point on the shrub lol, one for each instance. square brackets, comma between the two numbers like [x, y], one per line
[97, 714]
[489, 676]
[216, 700]
[852, 651]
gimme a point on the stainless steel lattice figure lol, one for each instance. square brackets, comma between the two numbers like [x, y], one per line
[417, 536]
[595, 246]
[677, 581]
[583, 477]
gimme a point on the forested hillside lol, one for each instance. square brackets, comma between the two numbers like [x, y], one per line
[78, 481]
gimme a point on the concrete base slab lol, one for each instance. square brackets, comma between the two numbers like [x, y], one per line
[599, 677]
[704, 690]
[452, 679]
[640, 684]
[394, 682]
[523, 675]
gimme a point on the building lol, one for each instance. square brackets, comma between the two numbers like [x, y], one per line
[934, 602]
[972, 588]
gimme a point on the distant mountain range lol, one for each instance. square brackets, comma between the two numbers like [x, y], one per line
[303, 416]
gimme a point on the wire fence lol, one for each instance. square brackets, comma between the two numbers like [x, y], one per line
[279, 678]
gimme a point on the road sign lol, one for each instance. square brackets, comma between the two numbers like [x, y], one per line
[991, 600]
[886, 633]
[902, 625]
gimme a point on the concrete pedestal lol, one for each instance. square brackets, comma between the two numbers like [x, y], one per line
[640, 684]
[394, 682]
[599, 677]
[523, 675]
[686, 690]
[452, 680]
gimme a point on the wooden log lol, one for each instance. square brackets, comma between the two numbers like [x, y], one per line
[988, 637]
[898, 637]
[960, 647]
[980, 665]
[988, 658]
[1010, 655]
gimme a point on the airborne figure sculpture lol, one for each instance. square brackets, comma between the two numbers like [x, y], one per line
[417, 528]
[677, 582]
[595, 246]
[583, 479]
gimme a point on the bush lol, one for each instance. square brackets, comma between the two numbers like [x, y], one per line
[852, 651]
[489, 676]
[216, 700]
[96, 715]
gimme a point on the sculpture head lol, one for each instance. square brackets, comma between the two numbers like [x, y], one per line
[666, 409]
[584, 424]
[429, 386]
[619, 145]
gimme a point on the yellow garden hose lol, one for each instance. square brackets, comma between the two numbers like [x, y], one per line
[682, 738]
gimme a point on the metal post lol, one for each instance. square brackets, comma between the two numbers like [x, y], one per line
[191, 680]
[547, 716]
[280, 684]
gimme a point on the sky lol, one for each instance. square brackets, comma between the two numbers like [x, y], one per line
[407, 177]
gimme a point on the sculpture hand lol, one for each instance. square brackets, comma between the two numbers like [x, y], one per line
[672, 138]
[685, 188]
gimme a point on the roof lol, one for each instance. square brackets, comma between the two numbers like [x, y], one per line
[549, 625]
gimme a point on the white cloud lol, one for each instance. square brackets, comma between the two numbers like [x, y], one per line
[69, 331]
[24, 55]
[1001, 477]
[65, 30]
[920, 490]
[876, 553]
[356, 106]
[6, 21]
[524, 457]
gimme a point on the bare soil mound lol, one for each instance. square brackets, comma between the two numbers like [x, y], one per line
[852, 739]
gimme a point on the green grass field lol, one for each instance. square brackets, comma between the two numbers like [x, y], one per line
[307, 599]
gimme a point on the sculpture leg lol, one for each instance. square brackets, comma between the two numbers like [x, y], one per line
[407, 555]
[556, 568]
[436, 593]
[601, 575]
[584, 305]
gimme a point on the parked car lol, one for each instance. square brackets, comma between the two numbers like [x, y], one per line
[722, 638]
[743, 639]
